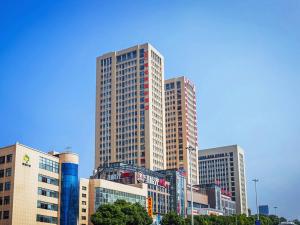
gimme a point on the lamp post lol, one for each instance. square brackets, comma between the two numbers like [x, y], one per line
[255, 181]
[191, 149]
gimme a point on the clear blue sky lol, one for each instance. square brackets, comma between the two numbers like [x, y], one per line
[243, 56]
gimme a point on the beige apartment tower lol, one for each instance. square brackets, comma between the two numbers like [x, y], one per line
[130, 116]
[226, 167]
[181, 126]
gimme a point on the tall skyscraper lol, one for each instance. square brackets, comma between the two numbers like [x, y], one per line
[181, 126]
[130, 116]
[226, 167]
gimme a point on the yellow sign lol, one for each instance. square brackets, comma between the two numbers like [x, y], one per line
[150, 211]
[26, 158]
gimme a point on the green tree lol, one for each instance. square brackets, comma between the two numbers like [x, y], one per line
[121, 213]
[108, 215]
[172, 218]
[200, 220]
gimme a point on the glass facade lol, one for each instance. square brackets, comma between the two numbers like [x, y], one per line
[69, 194]
[181, 197]
[159, 190]
[177, 190]
[49, 165]
[104, 196]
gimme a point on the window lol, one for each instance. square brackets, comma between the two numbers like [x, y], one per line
[83, 195]
[5, 215]
[49, 165]
[83, 188]
[83, 202]
[7, 186]
[83, 217]
[9, 158]
[47, 192]
[1, 186]
[1, 173]
[6, 200]
[47, 206]
[8, 172]
[48, 180]
[46, 219]
[83, 210]
[2, 159]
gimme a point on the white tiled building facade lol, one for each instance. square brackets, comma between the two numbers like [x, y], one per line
[226, 166]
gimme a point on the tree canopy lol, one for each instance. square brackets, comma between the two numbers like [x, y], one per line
[124, 213]
[121, 213]
[172, 218]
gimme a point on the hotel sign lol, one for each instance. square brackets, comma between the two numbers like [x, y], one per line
[141, 178]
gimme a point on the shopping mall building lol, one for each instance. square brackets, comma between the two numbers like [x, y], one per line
[167, 188]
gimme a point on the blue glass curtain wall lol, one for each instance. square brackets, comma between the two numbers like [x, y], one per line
[69, 194]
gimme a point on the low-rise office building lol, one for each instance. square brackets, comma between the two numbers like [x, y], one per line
[37, 187]
[96, 192]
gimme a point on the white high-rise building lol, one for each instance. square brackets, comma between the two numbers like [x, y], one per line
[130, 108]
[225, 166]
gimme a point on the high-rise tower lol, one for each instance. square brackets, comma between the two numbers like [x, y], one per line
[181, 126]
[130, 116]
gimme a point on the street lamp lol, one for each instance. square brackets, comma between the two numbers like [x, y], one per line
[255, 181]
[191, 150]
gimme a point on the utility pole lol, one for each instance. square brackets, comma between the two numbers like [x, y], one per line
[255, 181]
[191, 149]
